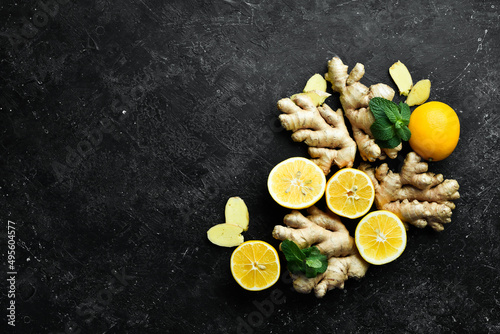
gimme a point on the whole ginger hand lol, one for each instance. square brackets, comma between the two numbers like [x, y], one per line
[325, 231]
[321, 128]
[355, 98]
[415, 195]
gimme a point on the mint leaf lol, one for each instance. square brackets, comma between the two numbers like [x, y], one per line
[296, 267]
[377, 107]
[392, 112]
[310, 272]
[292, 252]
[405, 112]
[382, 107]
[316, 263]
[324, 265]
[391, 122]
[403, 132]
[383, 129]
[294, 256]
[311, 251]
[308, 261]
[391, 143]
[313, 263]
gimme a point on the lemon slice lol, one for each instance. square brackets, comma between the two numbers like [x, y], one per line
[255, 265]
[350, 193]
[296, 183]
[380, 237]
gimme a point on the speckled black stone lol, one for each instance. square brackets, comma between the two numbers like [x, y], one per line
[126, 126]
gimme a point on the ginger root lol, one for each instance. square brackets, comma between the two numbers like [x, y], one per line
[321, 128]
[354, 97]
[416, 196]
[325, 231]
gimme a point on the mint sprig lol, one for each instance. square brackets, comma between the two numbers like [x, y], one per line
[308, 261]
[391, 122]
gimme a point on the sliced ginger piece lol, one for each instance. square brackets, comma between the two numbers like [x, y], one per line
[237, 213]
[316, 82]
[225, 235]
[315, 89]
[419, 93]
[402, 77]
[317, 97]
[237, 220]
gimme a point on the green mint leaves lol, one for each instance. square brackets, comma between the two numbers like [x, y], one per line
[308, 261]
[391, 122]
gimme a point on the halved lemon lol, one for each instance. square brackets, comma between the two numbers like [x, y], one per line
[296, 183]
[350, 193]
[380, 237]
[255, 265]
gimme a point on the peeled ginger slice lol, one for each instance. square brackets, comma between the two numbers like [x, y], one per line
[419, 93]
[225, 235]
[402, 77]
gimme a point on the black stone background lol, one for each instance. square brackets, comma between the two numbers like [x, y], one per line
[126, 126]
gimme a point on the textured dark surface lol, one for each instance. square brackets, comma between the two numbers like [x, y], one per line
[127, 125]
